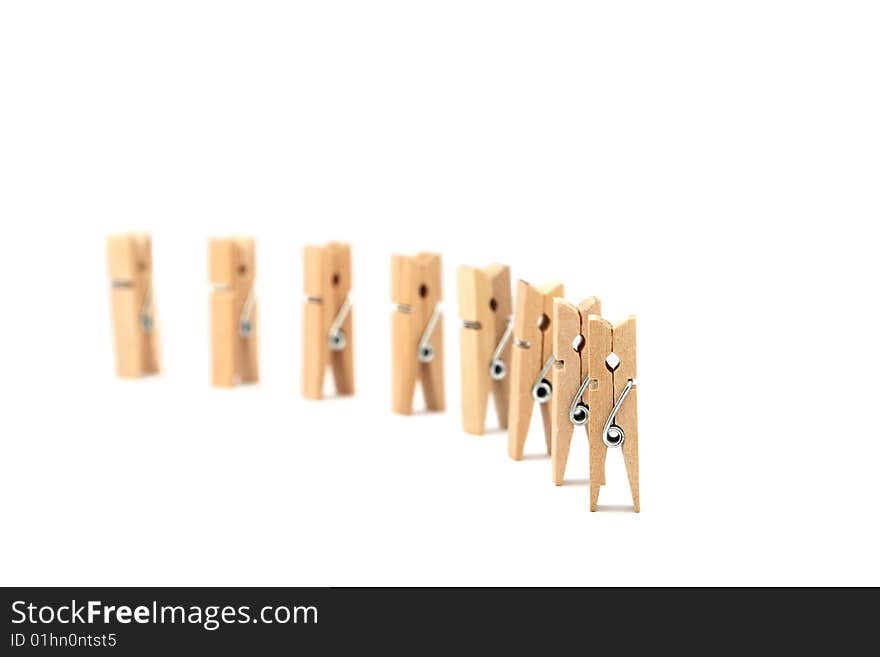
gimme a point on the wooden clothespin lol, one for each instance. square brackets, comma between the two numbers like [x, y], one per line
[484, 305]
[416, 331]
[130, 268]
[327, 328]
[570, 377]
[611, 400]
[233, 311]
[531, 361]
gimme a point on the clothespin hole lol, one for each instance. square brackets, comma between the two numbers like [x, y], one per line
[543, 323]
[578, 343]
[493, 304]
[423, 290]
[242, 269]
[334, 281]
[141, 265]
[612, 362]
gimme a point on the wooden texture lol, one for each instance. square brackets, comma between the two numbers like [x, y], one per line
[415, 285]
[603, 340]
[532, 346]
[232, 269]
[483, 298]
[130, 270]
[569, 322]
[327, 280]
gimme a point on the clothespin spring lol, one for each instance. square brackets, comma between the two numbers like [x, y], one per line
[336, 337]
[426, 349]
[146, 314]
[612, 434]
[542, 390]
[579, 412]
[245, 327]
[497, 367]
[147, 310]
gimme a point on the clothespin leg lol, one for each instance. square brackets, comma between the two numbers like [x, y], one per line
[224, 337]
[432, 373]
[521, 402]
[547, 417]
[150, 352]
[599, 411]
[405, 341]
[474, 382]
[594, 495]
[314, 350]
[250, 362]
[564, 388]
[148, 341]
[597, 461]
[628, 420]
[126, 330]
[501, 397]
[343, 361]
[561, 444]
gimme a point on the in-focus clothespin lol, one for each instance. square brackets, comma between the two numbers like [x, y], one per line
[327, 329]
[233, 311]
[531, 362]
[570, 377]
[484, 305]
[416, 331]
[611, 397]
[130, 268]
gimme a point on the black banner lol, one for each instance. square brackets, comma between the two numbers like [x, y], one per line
[135, 621]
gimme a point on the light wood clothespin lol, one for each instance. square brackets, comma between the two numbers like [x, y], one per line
[416, 331]
[484, 305]
[130, 268]
[611, 399]
[233, 311]
[570, 377]
[327, 329]
[531, 361]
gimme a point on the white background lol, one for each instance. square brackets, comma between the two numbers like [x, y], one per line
[711, 167]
